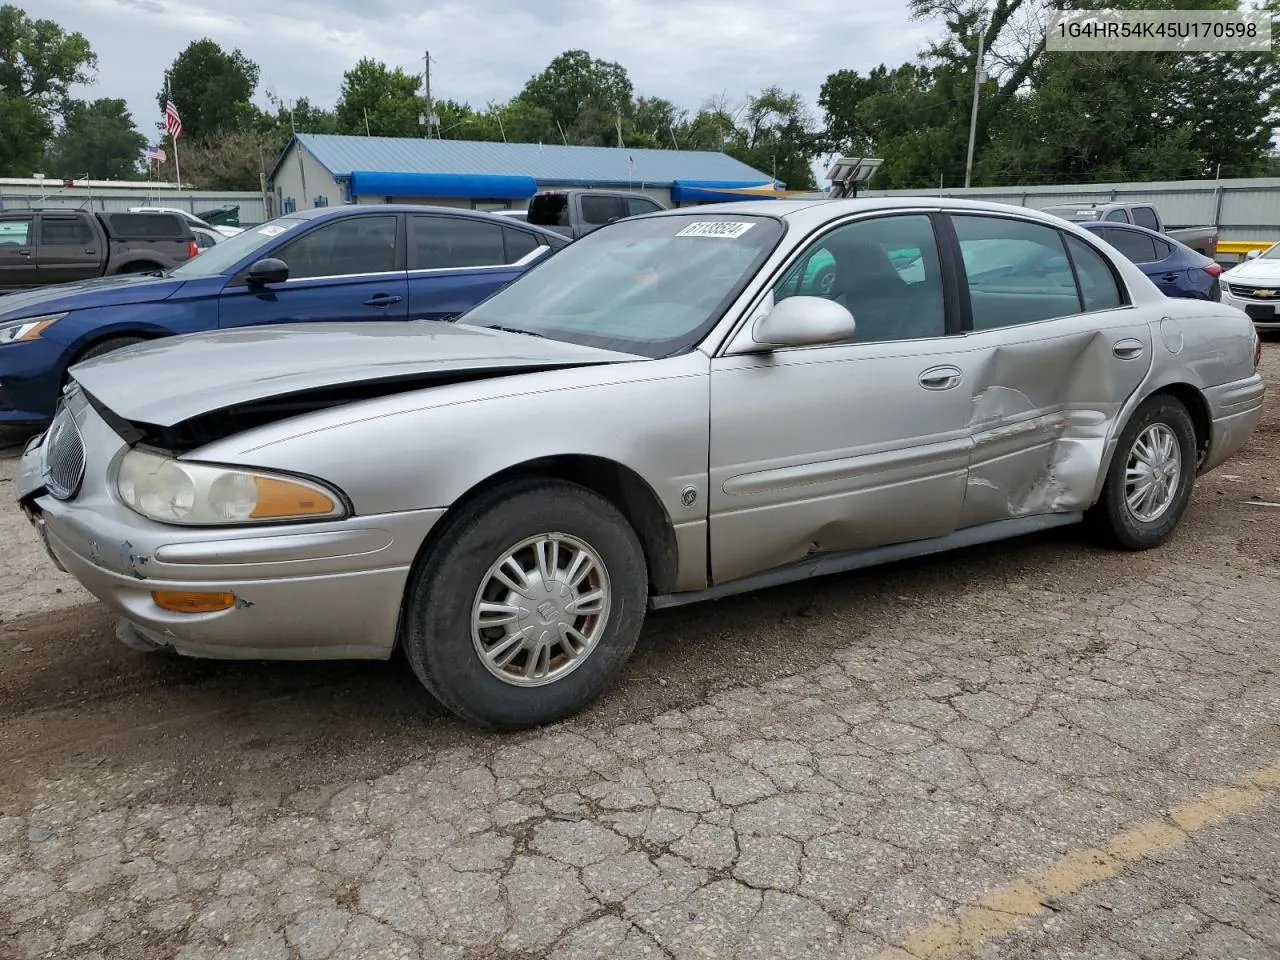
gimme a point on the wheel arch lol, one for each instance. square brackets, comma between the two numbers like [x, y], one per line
[1189, 395]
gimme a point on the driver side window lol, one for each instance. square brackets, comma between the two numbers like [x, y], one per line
[885, 270]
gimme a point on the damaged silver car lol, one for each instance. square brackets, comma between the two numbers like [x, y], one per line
[677, 407]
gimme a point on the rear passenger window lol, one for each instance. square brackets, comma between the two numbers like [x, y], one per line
[442, 243]
[597, 211]
[1136, 246]
[1146, 217]
[1018, 272]
[1098, 287]
[519, 244]
[639, 205]
[65, 232]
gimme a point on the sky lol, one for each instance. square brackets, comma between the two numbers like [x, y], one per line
[482, 50]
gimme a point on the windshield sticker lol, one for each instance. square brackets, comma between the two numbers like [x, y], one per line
[272, 230]
[727, 229]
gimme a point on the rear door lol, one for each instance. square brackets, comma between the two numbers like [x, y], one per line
[455, 262]
[68, 248]
[1148, 253]
[18, 252]
[1057, 351]
[348, 269]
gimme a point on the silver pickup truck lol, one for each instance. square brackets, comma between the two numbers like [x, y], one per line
[1202, 240]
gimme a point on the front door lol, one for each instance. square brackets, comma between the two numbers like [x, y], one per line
[342, 270]
[1057, 355]
[67, 248]
[850, 445]
[17, 253]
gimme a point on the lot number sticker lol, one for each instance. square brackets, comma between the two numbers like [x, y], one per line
[727, 229]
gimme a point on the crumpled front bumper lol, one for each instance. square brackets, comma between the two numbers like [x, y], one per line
[329, 590]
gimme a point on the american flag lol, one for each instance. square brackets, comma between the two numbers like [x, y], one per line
[172, 122]
[157, 153]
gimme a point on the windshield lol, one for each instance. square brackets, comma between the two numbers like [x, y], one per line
[221, 257]
[650, 286]
[1271, 253]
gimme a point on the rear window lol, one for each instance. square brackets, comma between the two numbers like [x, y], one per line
[138, 226]
[549, 210]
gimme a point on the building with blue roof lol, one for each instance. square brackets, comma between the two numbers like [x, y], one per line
[317, 170]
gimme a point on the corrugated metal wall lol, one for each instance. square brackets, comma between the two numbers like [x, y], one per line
[24, 196]
[1241, 209]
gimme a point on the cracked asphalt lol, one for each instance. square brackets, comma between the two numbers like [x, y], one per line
[1037, 749]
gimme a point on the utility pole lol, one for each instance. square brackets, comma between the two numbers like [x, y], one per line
[426, 60]
[973, 115]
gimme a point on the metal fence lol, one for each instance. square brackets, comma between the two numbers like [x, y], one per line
[1243, 210]
[105, 196]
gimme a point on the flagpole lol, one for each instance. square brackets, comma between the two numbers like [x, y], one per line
[177, 167]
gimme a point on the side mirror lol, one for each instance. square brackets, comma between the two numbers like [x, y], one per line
[1253, 255]
[803, 322]
[266, 271]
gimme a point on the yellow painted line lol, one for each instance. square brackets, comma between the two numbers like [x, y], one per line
[1005, 909]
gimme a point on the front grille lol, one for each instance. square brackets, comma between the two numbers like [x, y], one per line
[1252, 291]
[63, 457]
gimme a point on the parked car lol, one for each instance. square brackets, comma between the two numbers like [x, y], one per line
[194, 221]
[1254, 287]
[503, 496]
[206, 238]
[356, 263]
[1172, 266]
[1203, 240]
[43, 247]
[577, 212]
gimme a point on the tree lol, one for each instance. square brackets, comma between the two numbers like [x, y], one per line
[231, 161]
[583, 97]
[212, 89]
[39, 62]
[97, 139]
[380, 101]
[776, 135]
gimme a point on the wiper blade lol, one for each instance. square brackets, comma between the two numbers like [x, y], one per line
[527, 333]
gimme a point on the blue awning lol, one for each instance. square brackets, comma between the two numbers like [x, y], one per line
[473, 186]
[716, 191]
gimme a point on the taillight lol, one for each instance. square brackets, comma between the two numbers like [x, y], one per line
[192, 249]
[1214, 269]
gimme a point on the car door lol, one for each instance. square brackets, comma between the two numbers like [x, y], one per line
[455, 262]
[1056, 353]
[67, 248]
[345, 269]
[1147, 252]
[847, 445]
[18, 267]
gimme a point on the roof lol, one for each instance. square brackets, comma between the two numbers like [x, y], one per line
[546, 163]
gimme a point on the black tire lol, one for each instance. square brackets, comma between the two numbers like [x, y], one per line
[1111, 517]
[437, 636]
[108, 346]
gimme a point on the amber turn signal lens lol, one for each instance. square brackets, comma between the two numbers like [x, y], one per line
[280, 498]
[181, 601]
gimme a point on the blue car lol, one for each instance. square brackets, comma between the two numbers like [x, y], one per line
[1172, 266]
[383, 262]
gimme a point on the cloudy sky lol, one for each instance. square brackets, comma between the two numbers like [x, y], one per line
[684, 50]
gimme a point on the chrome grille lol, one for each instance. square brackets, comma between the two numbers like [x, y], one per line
[1270, 294]
[63, 457]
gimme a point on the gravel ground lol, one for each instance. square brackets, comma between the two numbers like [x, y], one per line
[1037, 749]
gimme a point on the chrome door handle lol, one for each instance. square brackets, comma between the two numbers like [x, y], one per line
[941, 378]
[1127, 349]
[382, 300]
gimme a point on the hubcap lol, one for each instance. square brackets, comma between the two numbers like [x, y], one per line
[1152, 473]
[540, 610]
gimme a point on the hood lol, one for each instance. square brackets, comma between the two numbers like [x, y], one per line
[120, 290]
[165, 382]
[1254, 271]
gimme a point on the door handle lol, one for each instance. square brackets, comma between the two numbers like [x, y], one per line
[941, 378]
[1127, 349]
[24, 253]
[91, 251]
[382, 300]
[1170, 277]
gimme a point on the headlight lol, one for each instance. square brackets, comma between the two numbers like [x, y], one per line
[30, 328]
[203, 494]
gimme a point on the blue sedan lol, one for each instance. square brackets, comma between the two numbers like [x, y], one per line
[384, 262]
[1172, 266]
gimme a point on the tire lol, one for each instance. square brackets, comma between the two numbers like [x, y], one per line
[108, 346]
[1162, 421]
[459, 574]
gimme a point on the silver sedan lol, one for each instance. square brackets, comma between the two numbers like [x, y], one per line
[675, 408]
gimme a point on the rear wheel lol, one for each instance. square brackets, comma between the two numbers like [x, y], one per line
[529, 605]
[1151, 477]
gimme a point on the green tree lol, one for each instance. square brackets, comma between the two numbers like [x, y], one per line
[777, 136]
[583, 97]
[98, 139]
[388, 101]
[212, 89]
[24, 130]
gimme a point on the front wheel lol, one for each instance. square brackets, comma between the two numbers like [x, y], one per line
[1150, 480]
[528, 607]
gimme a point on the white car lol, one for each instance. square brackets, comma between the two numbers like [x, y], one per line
[1254, 287]
[191, 219]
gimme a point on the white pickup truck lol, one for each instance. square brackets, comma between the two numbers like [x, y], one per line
[1200, 239]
